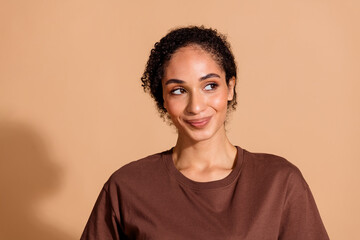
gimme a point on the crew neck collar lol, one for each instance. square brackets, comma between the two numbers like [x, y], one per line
[221, 183]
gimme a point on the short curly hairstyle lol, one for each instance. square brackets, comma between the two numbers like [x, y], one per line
[206, 38]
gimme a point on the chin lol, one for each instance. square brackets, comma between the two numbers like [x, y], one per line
[200, 135]
[193, 134]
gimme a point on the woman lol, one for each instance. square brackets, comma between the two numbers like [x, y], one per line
[204, 187]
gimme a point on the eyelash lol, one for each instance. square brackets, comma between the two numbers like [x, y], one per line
[176, 89]
[213, 87]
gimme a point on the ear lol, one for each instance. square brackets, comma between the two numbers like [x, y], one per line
[231, 87]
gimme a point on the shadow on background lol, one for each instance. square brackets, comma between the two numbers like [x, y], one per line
[27, 175]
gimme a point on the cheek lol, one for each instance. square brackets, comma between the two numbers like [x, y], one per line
[173, 108]
[220, 101]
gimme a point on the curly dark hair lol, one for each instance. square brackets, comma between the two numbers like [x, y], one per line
[206, 38]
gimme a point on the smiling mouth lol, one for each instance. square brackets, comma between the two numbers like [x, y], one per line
[198, 123]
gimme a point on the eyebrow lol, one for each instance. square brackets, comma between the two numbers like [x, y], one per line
[210, 75]
[173, 80]
[178, 81]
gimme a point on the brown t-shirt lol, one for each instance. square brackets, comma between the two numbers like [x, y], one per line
[264, 197]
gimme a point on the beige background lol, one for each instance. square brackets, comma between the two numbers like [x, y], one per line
[72, 110]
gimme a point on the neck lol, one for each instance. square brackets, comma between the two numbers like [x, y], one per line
[216, 151]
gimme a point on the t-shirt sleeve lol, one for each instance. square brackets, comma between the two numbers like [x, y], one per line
[301, 219]
[103, 224]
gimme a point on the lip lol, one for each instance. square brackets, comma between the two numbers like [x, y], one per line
[199, 123]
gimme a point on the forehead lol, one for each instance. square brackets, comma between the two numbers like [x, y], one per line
[192, 49]
[191, 55]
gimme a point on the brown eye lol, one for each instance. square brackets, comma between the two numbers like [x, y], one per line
[178, 91]
[210, 86]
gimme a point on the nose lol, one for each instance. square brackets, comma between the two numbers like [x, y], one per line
[196, 103]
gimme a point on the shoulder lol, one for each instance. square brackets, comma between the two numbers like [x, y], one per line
[139, 166]
[137, 172]
[273, 168]
[268, 162]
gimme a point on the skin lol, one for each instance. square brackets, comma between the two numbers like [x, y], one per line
[195, 96]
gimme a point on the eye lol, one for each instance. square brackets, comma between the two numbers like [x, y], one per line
[210, 86]
[178, 91]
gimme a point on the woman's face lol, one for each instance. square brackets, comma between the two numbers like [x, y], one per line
[196, 94]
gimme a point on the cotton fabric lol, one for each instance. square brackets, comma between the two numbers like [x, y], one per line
[264, 197]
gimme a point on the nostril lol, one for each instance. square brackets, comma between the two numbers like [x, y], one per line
[195, 104]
